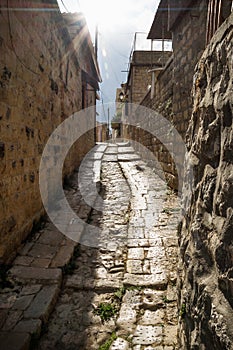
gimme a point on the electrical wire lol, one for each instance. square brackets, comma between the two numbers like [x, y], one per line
[12, 44]
[64, 6]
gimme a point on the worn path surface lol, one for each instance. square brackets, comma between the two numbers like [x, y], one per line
[119, 294]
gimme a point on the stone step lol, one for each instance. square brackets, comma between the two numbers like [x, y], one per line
[28, 274]
[129, 157]
[110, 158]
[126, 150]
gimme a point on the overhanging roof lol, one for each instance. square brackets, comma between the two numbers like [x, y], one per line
[159, 28]
[166, 16]
[83, 47]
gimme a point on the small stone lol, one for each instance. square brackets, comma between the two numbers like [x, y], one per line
[153, 299]
[134, 266]
[146, 335]
[136, 253]
[127, 316]
[137, 242]
[119, 344]
[153, 317]
[156, 252]
[171, 293]
[136, 233]
[170, 335]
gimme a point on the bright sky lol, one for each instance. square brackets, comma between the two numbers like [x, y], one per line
[117, 20]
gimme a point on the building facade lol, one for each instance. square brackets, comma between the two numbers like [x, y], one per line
[43, 81]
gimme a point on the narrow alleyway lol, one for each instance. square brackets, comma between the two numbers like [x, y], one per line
[120, 295]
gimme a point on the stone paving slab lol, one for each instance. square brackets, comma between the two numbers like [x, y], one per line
[14, 341]
[31, 326]
[101, 147]
[94, 156]
[123, 143]
[41, 275]
[128, 157]
[125, 150]
[110, 158]
[43, 303]
[111, 150]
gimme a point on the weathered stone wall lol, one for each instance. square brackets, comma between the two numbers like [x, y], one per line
[189, 38]
[206, 246]
[140, 78]
[173, 97]
[40, 86]
[161, 102]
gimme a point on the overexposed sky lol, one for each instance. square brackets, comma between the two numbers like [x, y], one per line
[117, 20]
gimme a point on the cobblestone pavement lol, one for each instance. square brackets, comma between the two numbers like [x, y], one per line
[118, 295]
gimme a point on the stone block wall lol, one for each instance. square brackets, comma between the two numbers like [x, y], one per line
[161, 102]
[40, 86]
[205, 235]
[189, 39]
[173, 87]
[140, 80]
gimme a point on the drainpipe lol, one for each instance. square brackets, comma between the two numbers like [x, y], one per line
[154, 79]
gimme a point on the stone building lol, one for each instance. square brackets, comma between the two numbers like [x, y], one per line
[139, 76]
[101, 132]
[47, 73]
[190, 25]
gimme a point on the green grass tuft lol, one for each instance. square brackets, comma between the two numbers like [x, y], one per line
[108, 342]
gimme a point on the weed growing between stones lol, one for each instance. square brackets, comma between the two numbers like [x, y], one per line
[183, 310]
[108, 342]
[120, 293]
[165, 299]
[106, 311]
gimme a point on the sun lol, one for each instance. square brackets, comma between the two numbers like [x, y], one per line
[104, 13]
[109, 15]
